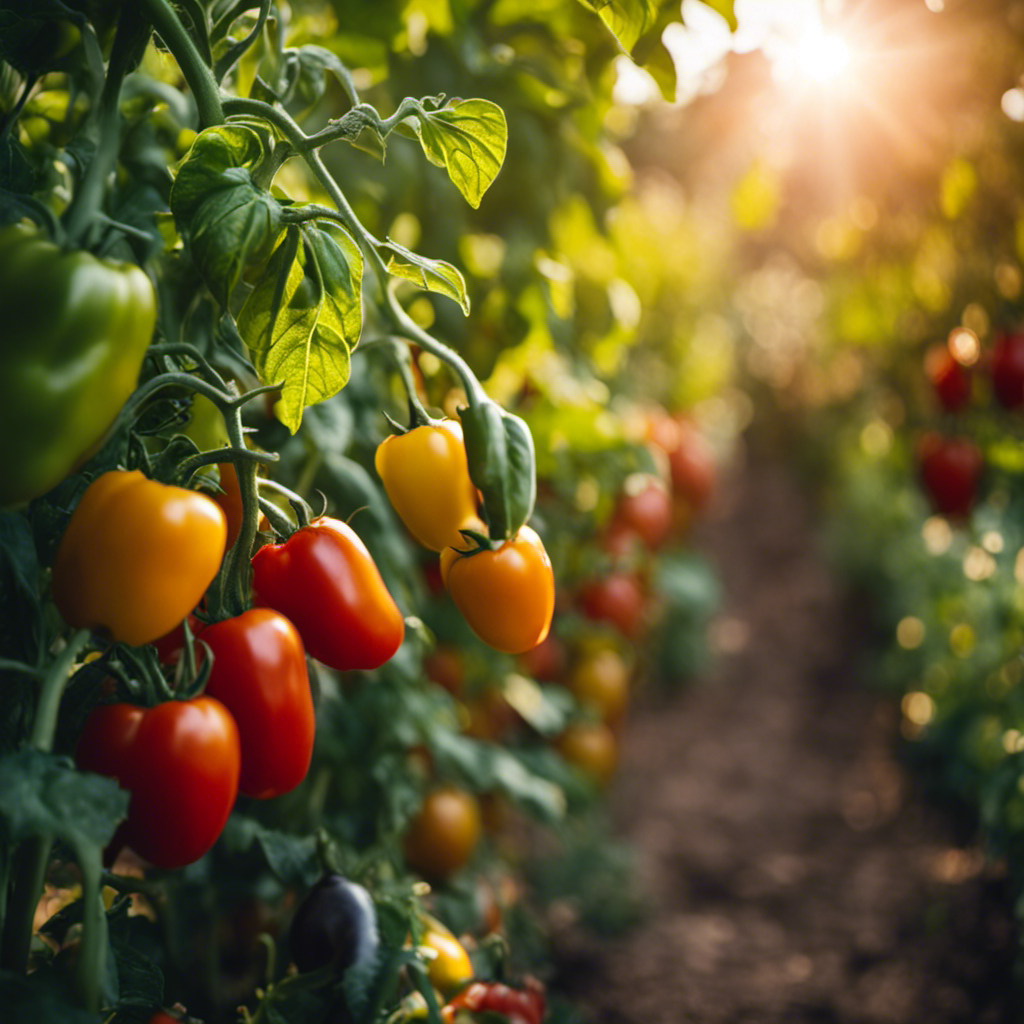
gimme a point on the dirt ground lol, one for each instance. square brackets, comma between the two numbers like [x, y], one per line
[795, 874]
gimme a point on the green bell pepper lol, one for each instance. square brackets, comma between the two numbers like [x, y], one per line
[73, 333]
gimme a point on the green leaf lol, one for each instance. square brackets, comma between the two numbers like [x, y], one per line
[303, 318]
[221, 157]
[491, 767]
[433, 275]
[292, 858]
[468, 138]
[229, 220]
[42, 794]
[314, 62]
[502, 465]
[627, 20]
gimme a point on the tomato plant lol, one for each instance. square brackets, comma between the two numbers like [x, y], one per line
[324, 580]
[259, 675]
[506, 594]
[444, 834]
[136, 556]
[179, 760]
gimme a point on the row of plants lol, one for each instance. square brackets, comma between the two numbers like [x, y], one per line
[905, 400]
[317, 628]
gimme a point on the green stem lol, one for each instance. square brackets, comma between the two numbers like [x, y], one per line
[191, 465]
[35, 854]
[88, 199]
[198, 75]
[278, 519]
[228, 61]
[93, 952]
[45, 725]
[418, 415]
[10, 118]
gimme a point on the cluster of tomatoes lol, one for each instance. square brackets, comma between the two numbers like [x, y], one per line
[951, 466]
[601, 624]
[135, 561]
[505, 590]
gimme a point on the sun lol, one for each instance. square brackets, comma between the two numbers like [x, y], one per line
[820, 56]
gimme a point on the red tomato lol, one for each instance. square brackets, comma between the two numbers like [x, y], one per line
[951, 381]
[259, 675]
[1007, 368]
[179, 760]
[324, 580]
[644, 509]
[692, 464]
[546, 661]
[616, 598]
[951, 469]
[492, 997]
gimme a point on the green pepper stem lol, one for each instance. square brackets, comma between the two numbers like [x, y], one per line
[198, 75]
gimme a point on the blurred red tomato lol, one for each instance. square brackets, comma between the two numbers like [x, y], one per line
[951, 380]
[1007, 368]
[546, 661]
[617, 599]
[643, 510]
[950, 470]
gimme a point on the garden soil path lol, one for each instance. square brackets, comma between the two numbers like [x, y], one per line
[794, 873]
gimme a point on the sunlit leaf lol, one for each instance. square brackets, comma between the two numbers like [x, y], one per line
[303, 318]
[468, 138]
[433, 275]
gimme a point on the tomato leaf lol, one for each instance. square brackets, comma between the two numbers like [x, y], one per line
[227, 218]
[491, 767]
[433, 275]
[42, 794]
[303, 318]
[292, 858]
[313, 64]
[502, 465]
[468, 138]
